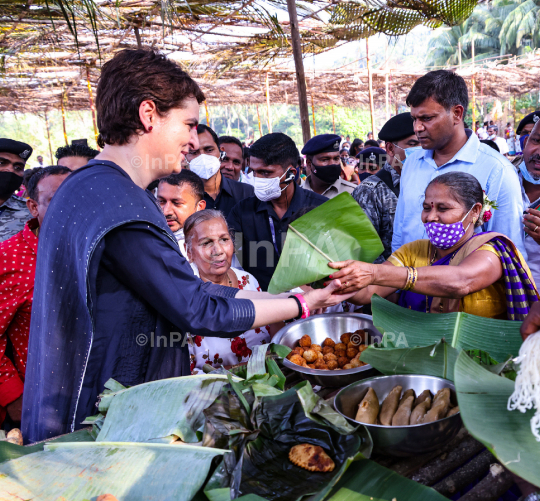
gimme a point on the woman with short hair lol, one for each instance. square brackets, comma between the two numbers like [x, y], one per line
[454, 269]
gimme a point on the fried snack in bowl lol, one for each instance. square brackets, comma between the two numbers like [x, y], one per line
[329, 342]
[330, 356]
[340, 346]
[345, 338]
[320, 364]
[368, 409]
[340, 353]
[355, 363]
[342, 361]
[351, 352]
[390, 405]
[311, 457]
[347, 366]
[319, 355]
[298, 360]
[311, 366]
[327, 349]
[305, 341]
[316, 347]
[310, 356]
[332, 365]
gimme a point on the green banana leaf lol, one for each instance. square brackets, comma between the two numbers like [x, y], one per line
[366, 480]
[483, 398]
[160, 409]
[335, 231]
[261, 432]
[500, 338]
[436, 360]
[129, 471]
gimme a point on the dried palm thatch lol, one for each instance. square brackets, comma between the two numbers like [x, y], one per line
[49, 47]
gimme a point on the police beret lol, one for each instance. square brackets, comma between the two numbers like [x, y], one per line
[321, 144]
[16, 147]
[397, 128]
[372, 156]
[531, 118]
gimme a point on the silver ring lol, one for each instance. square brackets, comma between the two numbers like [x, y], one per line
[535, 229]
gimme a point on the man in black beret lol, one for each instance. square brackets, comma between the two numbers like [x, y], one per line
[323, 162]
[13, 210]
[526, 126]
[378, 194]
[370, 161]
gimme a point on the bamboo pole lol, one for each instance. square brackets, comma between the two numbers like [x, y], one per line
[259, 119]
[473, 91]
[313, 112]
[299, 66]
[64, 117]
[207, 114]
[334, 121]
[92, 106]
[49, 137]
[268, 112]
[370, 90]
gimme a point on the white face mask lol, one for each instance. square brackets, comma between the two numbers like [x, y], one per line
[205, 166]
[266, 188]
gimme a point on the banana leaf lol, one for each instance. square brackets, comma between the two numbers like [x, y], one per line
[131, 472]
[483, 398]
[335, 231]
[261, 435]
[500, 338]
[160, 409]
[366, 480]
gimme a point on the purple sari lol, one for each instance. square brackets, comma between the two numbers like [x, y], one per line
[519, 288]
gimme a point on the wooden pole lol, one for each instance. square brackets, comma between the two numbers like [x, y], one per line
[64, 117]
[138, 37]
[370, 90]
[300, 75]
[313, 112]
[49, 137]
[259, 119]
[92, 107]
[473, 91]
[334, 121]
[268, 112]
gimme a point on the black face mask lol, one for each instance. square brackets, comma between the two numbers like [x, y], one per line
[327, 173]
[9, 182]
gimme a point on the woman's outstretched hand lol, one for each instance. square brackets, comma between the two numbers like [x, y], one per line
[353, 275]
[324, 298]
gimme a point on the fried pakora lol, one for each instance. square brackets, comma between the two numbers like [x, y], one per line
[332, 365]
[305, 341]
[351, 352]
[316, 347]
[342, 361]
[310, 356]
[340, 346]
[329, 356]
[298, 360]
[327, 349]
[311, 457]
[329, 342]
[345, 338]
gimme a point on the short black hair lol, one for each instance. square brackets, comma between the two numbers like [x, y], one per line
[202, 128]
[40, 173]
[371, 143]
[445, 87]
[231, 140]
[186, 177]
[76, 150]
[355, 147]
[276, 149]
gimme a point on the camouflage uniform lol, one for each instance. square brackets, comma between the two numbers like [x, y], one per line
[379, 203]
[13, 216]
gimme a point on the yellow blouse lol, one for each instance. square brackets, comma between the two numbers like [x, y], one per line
[489, 302]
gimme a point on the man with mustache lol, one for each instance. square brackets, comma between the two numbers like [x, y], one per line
[438, 102]
[529, 177]
[179, 196]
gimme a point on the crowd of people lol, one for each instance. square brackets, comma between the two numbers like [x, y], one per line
[172, 232]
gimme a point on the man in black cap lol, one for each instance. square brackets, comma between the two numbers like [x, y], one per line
[13, 210]
[370, 161]
[526, 126]
[378, 194]
[323, 162]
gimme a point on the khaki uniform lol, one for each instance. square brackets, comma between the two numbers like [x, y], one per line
[13, 216]
[340, 186]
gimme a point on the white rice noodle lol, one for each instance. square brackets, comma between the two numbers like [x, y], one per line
[527, 390]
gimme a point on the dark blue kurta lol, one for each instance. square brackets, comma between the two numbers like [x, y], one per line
[110, 278]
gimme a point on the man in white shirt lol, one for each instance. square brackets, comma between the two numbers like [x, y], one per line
[499, 141]
[179, 196]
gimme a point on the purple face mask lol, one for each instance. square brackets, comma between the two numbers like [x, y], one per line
[445, 236]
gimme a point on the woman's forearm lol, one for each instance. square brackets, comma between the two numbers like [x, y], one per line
[241, 294]
[268, 311]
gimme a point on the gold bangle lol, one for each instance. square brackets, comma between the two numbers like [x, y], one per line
[415, 278]
[409, 279]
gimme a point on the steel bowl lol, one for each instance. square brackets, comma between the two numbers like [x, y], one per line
[331, 325]
[401, 440]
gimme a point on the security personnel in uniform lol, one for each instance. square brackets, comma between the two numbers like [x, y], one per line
[370, 161]
[13, 210]
[378, 194]
[323, 162]
[261, 222]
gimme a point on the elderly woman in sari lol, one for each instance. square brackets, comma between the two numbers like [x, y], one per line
[210, 250]
[454, 269]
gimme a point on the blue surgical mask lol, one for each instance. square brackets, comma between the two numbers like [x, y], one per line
[410, 151]
[527, 175]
